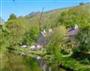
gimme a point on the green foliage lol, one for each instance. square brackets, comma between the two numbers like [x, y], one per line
[26, 30]
[32, 35]
[56, 44]
[12, 34]
[77, 15]
[34, 66]
[84, 39]
[12, 17]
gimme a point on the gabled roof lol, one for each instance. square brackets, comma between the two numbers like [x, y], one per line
[73, 31]
[42, 40]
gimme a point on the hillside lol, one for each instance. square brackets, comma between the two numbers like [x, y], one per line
[52, 17]
[56, 40]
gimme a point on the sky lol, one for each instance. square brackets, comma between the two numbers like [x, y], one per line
[24, 7]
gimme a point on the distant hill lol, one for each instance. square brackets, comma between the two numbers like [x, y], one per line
[52, 17]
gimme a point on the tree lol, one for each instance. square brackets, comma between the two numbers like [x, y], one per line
[55, 46]
[82, 52]
[81, 3]
[84, 39]
[12, 17]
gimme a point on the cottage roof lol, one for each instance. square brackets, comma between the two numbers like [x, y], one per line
[73, 31]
